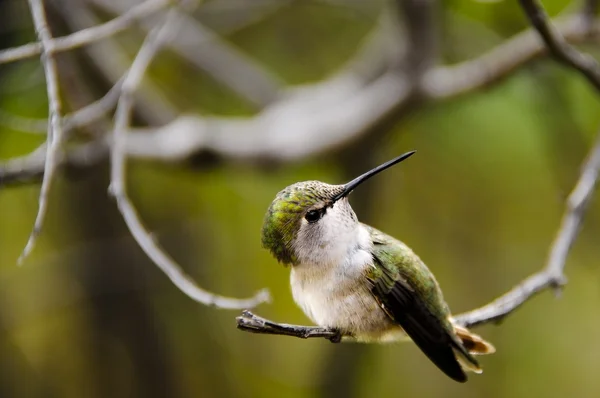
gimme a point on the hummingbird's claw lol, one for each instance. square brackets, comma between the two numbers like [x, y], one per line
[337, 337]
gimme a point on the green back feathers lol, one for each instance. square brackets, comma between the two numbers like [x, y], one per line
[283, 218]
[401, 261]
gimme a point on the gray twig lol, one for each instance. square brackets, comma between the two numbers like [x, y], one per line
[113, 61]
[294, 127]
[552, 275]
[225, 63]
[55, 132]
[153, 42]
[86, 36]
[95, 110]
[249, 322]
[446, 82]
[558, 47]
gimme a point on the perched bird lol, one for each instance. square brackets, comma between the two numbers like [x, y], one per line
[356, 279]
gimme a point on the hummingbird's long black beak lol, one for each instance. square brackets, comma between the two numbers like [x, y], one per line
[349, 187]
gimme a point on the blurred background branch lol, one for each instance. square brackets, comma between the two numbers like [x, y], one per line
[157, 37]
[87, 36]
[55, 138]
[328, 116]
[557, 45]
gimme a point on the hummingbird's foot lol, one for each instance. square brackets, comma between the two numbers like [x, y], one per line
[337, 337]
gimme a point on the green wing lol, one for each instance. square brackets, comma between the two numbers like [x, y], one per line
[410, 295]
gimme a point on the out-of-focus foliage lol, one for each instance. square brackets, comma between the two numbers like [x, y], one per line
[89, 316]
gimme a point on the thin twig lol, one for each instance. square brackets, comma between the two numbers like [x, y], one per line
[450, 81]
[295, 128]
[155, 39]
[249, 322]
[112, 61]
[552, 275]
[95, 110]
[55, 133]
[557, 45]
[224, 62]
[86, 36]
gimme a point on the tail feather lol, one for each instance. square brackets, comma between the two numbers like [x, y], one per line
[467, 363]
[473, 342]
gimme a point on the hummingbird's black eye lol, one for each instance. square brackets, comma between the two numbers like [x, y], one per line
[314, 215]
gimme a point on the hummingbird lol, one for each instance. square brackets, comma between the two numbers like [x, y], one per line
[361, 282]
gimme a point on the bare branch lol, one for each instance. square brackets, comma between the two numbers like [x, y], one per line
[86, 36]
[55, 132]
[450, 81]
[113, 62]
[557, 45]
[344, 107]
[293, 127]
[207, 51]
[249, 322]
[510, 301]
[155, 39]
[307, 120]
[492, 312]
[298, 126]
[552, 275]
[95, 110]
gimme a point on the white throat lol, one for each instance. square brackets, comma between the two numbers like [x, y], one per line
[335, 247]
[348, 250]
[335, 239]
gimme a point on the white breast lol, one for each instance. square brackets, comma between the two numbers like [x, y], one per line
[337, 295]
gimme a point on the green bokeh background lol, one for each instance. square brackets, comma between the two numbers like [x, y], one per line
[88, 315]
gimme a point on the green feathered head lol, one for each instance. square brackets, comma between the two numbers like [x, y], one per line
[291, 206]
